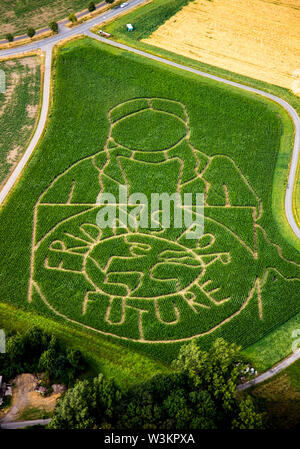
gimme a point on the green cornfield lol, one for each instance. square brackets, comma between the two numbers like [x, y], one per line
[119, 120]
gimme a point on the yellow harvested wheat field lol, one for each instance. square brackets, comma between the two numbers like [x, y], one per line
[257, 38]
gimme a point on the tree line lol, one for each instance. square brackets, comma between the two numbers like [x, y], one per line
[53, 25]
[200, 393]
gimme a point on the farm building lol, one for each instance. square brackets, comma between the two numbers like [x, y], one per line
[129, 27]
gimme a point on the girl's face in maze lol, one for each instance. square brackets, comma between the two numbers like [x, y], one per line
[149, 130]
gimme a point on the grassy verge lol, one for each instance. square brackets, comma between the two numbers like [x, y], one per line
[296, 205]
[126, 367]
[26, 40]
[93, 14]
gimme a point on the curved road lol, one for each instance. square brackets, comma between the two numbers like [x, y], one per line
[46, 45]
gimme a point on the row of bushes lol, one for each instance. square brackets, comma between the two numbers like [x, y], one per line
[31, 31]
[54, 25]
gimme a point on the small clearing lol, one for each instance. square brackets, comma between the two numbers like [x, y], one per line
[24, 397]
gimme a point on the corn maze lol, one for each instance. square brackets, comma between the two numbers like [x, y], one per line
[153, 285]
[119, 120]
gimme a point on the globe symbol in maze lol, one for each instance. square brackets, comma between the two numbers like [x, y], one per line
[143, 284]
[168, 267]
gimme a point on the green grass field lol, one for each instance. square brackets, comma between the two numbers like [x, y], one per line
[32, 413]
[146, 18]
[19, 109]
[150, 290]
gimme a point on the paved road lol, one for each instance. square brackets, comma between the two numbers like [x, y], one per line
[47, 45]
[61, 22]
[22, 424]
[69, 32]
[271, 372]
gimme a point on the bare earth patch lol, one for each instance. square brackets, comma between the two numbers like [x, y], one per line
[256, 38]
[25, 397]
[29, 62]
[31, 110]
[12, 155]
